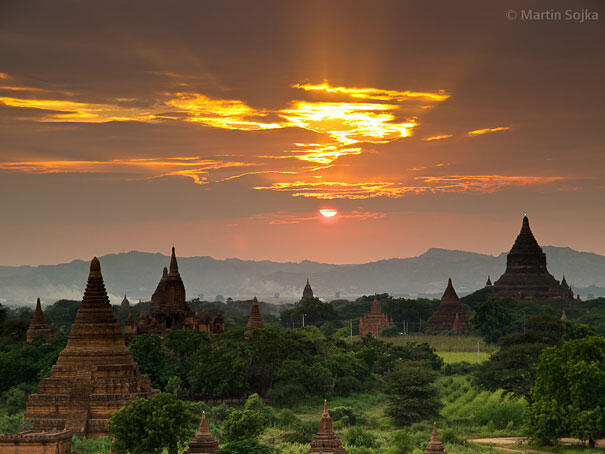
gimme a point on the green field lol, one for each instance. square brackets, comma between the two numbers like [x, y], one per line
[458, 357]
[445, 343]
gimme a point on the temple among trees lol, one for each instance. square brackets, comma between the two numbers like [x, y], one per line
[374, 321]
[526, 275]
[450, 315]
[95, 374]
[255, 320]
[307, 293]
[38, 325]
[435, 446]
[203, 443]
[326, 442]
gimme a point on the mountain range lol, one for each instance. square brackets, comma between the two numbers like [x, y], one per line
[136, 274]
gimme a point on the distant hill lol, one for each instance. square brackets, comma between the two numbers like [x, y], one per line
[137, 273]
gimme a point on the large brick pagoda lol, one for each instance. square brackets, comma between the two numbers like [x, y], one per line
[38, 326]
[526, 275]
[326, 442]
[374, 321]
[450, 315]
[95, 373]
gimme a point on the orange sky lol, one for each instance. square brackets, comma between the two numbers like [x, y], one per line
[226, 128]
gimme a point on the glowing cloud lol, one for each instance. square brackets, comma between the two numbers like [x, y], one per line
[440, 137]
[373, 93]
[328, 212]
[478, 132]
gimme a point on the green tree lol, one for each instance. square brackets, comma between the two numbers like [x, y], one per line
[249, 446]
[315, 312]
[569, 393]
[148, 426]
[412, 396]
[152, 358]
[493, 319]
[243, 424]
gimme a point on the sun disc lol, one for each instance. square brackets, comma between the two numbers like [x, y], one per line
[328, 212]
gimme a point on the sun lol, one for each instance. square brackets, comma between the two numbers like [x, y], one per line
[328, 212]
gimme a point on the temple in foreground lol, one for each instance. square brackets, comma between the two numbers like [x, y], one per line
[38, 325]
[203, 443]
[95, 374]
[526, 275]
[326, 442]
[375, 321]
[435, 446]
[450, 315]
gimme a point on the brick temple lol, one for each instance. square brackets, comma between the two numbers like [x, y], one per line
[95, 374]
[526, 275]
[326, 442]
[34, 442]
[435, 446]
[255, 320]
[374, 321]
[38, 325]
[307, 292]
[450, 315]
[203, 443]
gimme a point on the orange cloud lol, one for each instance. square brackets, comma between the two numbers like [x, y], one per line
[372, 189]
[292, 218]
[373, 93]
[440, 137]
[478, 132]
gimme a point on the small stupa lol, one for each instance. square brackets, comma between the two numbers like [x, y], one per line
[435, 446]
[255, 320]
[450, 315]
[38, 326]
[326, 442]
[95, 374]
[563, 317]
[203, 443]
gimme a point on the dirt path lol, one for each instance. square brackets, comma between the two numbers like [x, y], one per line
[501, 444]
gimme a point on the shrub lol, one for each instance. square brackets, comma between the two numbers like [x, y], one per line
[243, 424]
[347, 385]
[500, 414]
[356, 436]
[256, 403]
[461, 368]
[391, 331]
[90, 445]
[449, 436]
[286, 419]
[401, 442]
[346, 414]
[304, 431]
[247, 446]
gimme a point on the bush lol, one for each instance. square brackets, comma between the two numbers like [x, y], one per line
[304, 431]
[345, 414]
[243, 424]
[401, 442]
[347, 385]
[256, 403]
[15, 398]
[501, 414]
[461, 368]
[286, 419]
[391, 331]
[12, 424]
[247, 446]
[90, 445]
[356, 436]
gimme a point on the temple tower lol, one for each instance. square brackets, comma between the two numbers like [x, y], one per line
[307, 292]
[526, 275]
[326, 442]
[95, 374]
[203, 443]
[450, 315]
[38, 326]
[255, 320]
[125, 304]
[375, 321]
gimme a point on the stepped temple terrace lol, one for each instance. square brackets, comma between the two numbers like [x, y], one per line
[526, 275]
[326, 442]
[34, 442]
[203, 443]
[255, 320]
[450, 315]
[94, 375]
[374, 321]
[435, 446]
[38, 326]
[307, 292]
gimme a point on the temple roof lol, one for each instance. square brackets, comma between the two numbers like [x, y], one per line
[326, 442]
[203, 443]
[307, 292]
[174, 266]
[38, 318]
[450, 295]
[255, 320]
[38, 325]
[435, 446]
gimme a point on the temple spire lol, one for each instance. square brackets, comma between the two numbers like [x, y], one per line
[174, 267]
[38, 326]
[450, 295]
[435, 446]
[326, 442]
[255, 320]
[203, 443]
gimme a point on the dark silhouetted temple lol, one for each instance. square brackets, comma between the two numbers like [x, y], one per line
[526, 276]
[38, 326]
[326, 442]
[255, 320]
[450, 315]
[95, 373]
[307, 292]
[374, 321]
[203, 443]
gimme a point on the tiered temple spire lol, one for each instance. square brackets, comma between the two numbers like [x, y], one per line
[450, 315]
[255, 320]
[203, 443]
[435, 446]
[326, 442]
[95, 373]
[307, 292]
[374, 321]
[38, 326]
[526, 275]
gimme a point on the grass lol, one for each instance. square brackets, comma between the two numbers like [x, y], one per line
[444, 343]
[458, 357]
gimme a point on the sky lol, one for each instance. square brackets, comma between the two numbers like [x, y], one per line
[225, 127]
